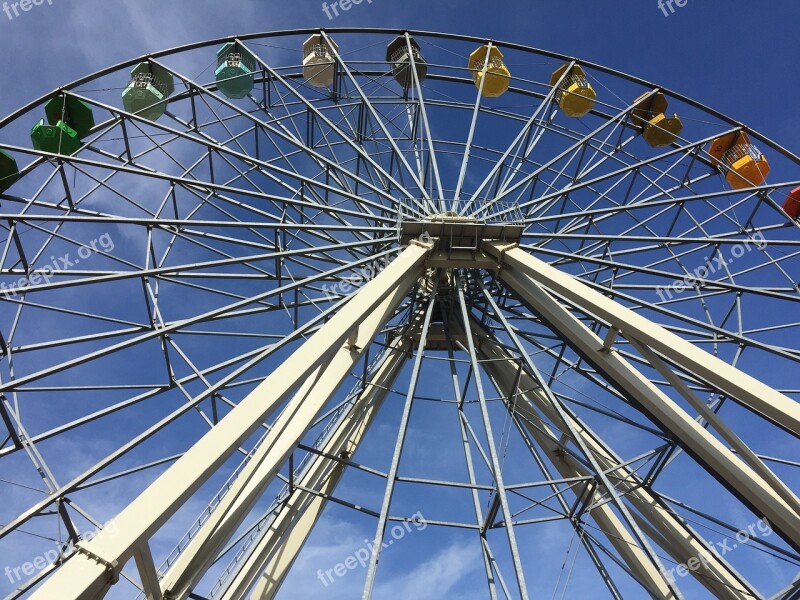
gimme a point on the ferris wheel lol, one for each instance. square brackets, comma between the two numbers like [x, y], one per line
[487, 307]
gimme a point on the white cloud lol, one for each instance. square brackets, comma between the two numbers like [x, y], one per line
[434, 579]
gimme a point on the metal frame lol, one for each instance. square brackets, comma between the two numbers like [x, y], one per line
[340, 341]
[257, 215]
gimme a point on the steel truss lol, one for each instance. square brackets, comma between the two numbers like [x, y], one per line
[580, 324]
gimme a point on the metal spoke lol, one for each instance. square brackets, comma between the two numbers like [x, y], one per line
[614, 315]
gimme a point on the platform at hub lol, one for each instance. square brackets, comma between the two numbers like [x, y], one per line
[462, 226]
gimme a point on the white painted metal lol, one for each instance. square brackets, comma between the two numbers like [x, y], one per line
[713, 572]
[740, 386]
[147, 572]
[284, 435]
[83, 577]
[287, 535]
[503, 375]
[522, 273]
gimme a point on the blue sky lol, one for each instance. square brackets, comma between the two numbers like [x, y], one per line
[737, 57]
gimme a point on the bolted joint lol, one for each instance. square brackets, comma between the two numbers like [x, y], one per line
[611, 337]
[428, 242]
[112, 567]
[498, 251]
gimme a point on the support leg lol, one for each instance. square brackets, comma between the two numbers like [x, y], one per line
[521, 273]
[84, 577]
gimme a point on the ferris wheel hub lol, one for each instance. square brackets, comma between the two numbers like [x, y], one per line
[464, 227]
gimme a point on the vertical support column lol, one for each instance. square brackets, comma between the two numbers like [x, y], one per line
[84, 577]
[497, 470]
[465, 443]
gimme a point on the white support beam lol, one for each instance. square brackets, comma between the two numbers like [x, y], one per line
[725, 432]
[147, 572]
[522, 272]
[713, 572]
[502, 374]
[743, 388]
[278, 549]
[284, 436]
[86, 575]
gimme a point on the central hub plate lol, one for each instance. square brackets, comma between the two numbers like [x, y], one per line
[454, 231]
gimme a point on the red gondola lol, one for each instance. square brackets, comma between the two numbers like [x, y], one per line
[792, 204]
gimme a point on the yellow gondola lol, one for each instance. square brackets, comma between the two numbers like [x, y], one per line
[650, 114]
[739, 160]
[498, 77]
[575, 95]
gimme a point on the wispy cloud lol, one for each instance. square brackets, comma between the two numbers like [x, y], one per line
[439, 577]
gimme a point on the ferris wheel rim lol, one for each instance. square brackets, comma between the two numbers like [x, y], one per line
[399, 31]
[578, 256]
